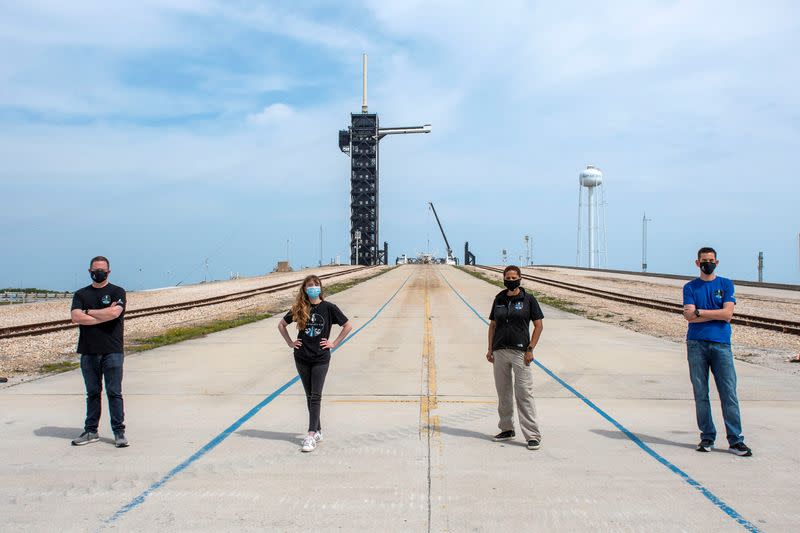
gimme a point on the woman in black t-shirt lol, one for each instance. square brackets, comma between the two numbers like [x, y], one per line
[511, 352]
[312, 349]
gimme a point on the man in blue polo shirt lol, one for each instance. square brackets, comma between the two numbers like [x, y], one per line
[708, 307]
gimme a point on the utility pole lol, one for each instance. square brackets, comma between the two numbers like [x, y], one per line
[645, 220]
[530, 251]
[530, 248]
[527, 250]
[761, 267]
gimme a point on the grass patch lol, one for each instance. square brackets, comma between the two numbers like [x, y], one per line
[175, 335]
[559, 303]
[32, 290]
[552, 301]
[344, 285]
[61, 366]
[482, 276]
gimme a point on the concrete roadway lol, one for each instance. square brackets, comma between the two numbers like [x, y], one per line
[408, 415]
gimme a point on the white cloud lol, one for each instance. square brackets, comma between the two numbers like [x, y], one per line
[139, 26]
[86, 61]
[665, 96]
[272, 114]
[275, 19]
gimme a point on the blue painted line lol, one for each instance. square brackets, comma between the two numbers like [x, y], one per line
[725, 508]
[216, 441]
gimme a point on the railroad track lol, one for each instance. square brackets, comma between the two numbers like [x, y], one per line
[784, 326]
[41, 328]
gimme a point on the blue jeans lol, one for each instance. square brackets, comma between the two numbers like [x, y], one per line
[96, 367]
[705, 355]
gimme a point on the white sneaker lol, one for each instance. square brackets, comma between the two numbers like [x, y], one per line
[309, 443]
[318, 436]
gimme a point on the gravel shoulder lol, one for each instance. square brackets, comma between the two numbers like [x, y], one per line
[22, 358]
[762, 347]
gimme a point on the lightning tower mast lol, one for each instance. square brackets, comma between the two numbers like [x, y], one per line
[360, 142]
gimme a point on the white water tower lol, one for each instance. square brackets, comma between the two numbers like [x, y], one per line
[591, 179]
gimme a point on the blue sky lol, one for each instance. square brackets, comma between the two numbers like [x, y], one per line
[162, 133]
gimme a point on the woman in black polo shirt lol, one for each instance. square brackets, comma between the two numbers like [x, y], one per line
[312, 349]
[511, 349]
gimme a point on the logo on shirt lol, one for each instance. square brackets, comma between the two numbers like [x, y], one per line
[518, 306]
[315, 325]
[719, 294]
[106, 299]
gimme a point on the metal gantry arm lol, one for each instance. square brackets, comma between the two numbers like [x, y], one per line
[446, 242]
[344, 135]
[383, 132]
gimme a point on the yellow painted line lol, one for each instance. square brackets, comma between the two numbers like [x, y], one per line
[483, 402]
[415, 400]
[428, 401]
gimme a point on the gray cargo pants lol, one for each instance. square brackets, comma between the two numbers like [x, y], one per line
[521, 387]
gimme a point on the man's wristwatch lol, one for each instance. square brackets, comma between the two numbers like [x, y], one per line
[530, 349]
[697, 313]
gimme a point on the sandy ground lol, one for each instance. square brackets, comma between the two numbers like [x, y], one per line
[22, 357]
[762, 347]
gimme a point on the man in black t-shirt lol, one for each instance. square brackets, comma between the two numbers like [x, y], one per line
[99, 310]
[511, 349]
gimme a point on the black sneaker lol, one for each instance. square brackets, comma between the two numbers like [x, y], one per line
[705, 445]
[504, 435]
[534, 444]
[120, 441]
[741, 450]
[86, 438]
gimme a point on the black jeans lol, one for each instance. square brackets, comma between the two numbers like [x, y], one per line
[95, 367]
[312, 374]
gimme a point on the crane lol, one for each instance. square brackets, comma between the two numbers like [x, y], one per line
[451, 260]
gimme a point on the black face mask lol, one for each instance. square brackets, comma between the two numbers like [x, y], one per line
[511, 284]
[99, 276]
[707, 267]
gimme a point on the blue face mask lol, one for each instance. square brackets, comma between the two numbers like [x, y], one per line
[313, 292]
